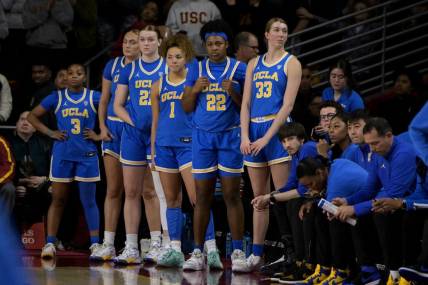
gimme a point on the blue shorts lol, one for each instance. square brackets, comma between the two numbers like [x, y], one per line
[134, 146]
[68, 171]
[272, 153]
[113, 147]
[216, 153]
[173, 159]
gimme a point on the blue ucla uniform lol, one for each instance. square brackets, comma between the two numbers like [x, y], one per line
[114, 124]
[135, 141]
[216, 133]
[74, 158]
[350, 100]
[174, 132]
[268, 86]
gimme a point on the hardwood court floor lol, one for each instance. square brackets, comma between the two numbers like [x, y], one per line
[74, 268]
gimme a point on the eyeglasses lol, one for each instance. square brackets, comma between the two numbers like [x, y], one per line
[328, 116]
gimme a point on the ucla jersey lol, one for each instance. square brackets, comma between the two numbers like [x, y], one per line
[112, 72]
[268, 86]
[215, 110]
[74, 113]
[174, 125]
[139, 76]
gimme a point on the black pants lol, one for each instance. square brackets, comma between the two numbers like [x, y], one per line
[292, 208]
[316, 237]
[415, 229]
[342, 249]
[379, 231]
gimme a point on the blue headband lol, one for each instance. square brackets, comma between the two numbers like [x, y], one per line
[223, 35]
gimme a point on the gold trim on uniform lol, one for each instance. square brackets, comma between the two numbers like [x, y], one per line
[263, 119]
[168, 170]
[87, 179]
[132, 162]
[112, 153]
[279, 160]
[204, 170]
[231, 170]
[185, 166]
[62, 180]
[255, 164]
[113, 118]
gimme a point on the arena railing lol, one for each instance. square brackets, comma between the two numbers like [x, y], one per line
[394, 37]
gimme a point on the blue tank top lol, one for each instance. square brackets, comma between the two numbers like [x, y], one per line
[215, 110]
[174, 125]
[268, 86]
[74, 113]
[112, 72]
[139, 76]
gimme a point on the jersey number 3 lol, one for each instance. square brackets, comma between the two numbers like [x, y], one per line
[76, 126]
[216, 102]
[264, 89]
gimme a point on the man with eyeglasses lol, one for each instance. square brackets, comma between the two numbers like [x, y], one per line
[246, 46]
[328, 110]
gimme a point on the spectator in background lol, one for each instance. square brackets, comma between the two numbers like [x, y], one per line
[13, 46]
[188, 17]
[47, 22]
[31, 152]
[403, 101]
[328, 110]
[246, 46]
[61, 79]
[42, 84]
[342, 86]
[148, 16]
[5, 99]
[84, 29]
[7, 171]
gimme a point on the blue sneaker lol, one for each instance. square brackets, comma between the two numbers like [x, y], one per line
[414, 273]
[370, 275]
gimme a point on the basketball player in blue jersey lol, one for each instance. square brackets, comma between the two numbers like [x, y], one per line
[135, 81]
[271, 87]
[172, 148]
[110, 133]
[74, 154]
[213, 94]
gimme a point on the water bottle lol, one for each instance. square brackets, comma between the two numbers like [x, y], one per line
[228, 245]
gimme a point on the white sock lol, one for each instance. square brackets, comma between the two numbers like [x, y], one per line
[162, 200]
[176, 245]
[395, 275]
[155, 236]
[109, 237]
[165, 239]
[132, 240]
[211, 245]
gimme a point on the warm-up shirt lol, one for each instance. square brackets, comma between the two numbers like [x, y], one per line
[308, 149]
[349, 99]
[394, 176]
[345, 178]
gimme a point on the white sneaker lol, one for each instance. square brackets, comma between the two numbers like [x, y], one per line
[254, 262]
[130, 255]
[153, 254]
[130, 274]
[196, 261]
[103, 252]
[144, 246]
[239, 262]
[48, 251]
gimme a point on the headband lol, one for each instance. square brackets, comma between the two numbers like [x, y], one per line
[223, 35]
